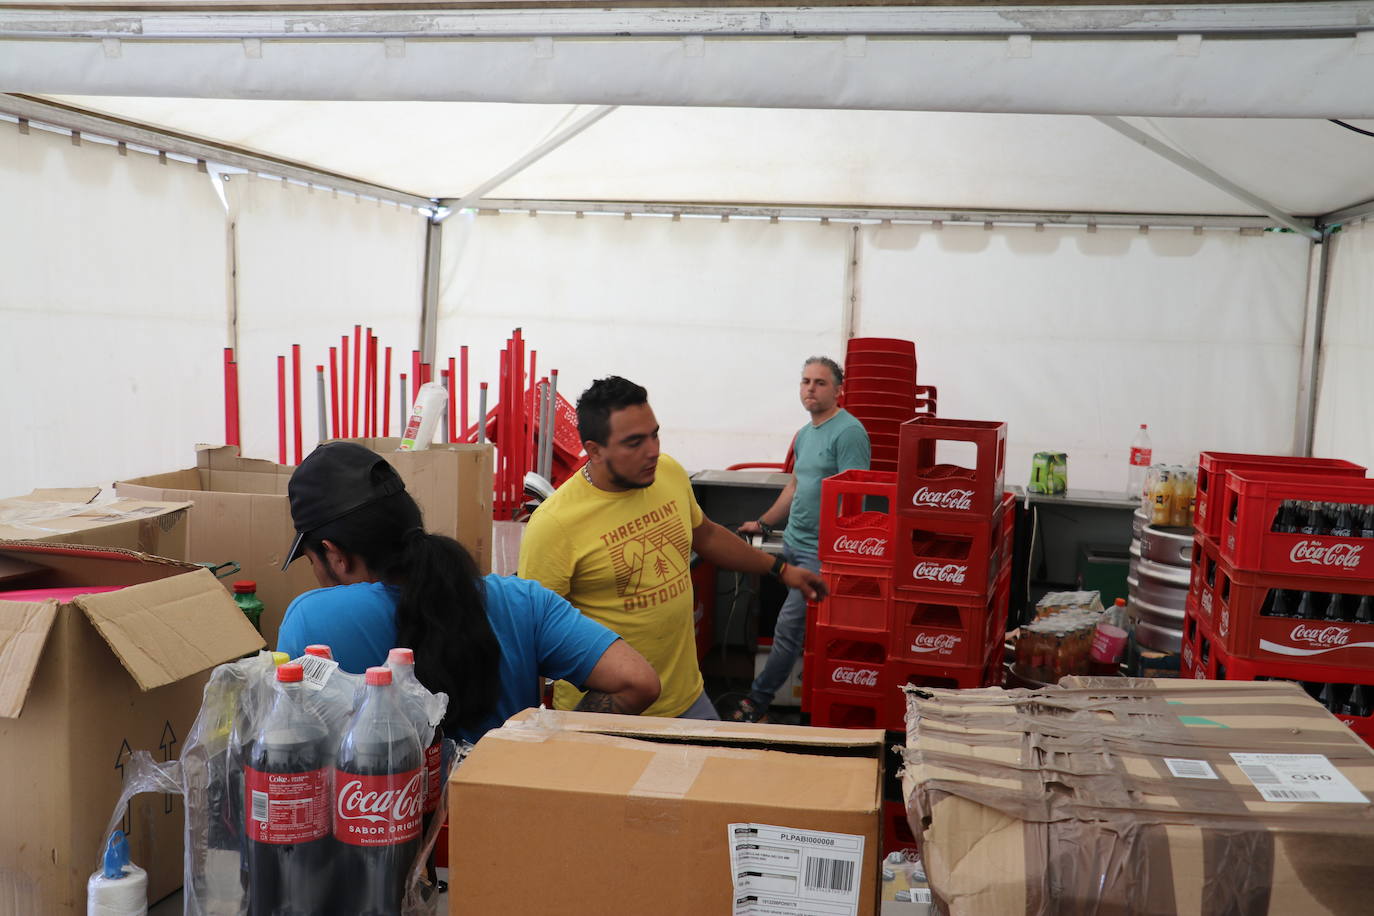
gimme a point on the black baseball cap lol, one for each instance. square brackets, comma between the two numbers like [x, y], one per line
[335, 479]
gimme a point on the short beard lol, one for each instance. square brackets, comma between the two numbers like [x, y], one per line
[625, 483]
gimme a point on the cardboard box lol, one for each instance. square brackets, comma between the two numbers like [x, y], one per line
[1118, 795]
[84, 684]
[453, 485]
[581, 813]
[69, 516]
[242, 512]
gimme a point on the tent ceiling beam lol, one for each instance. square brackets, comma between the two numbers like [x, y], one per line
[1277, 19]
[878, 214]
[1347, 214]
[89, 124]
[533, 156]
[1196, 168]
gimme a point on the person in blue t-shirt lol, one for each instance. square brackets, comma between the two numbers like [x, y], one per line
[386, 582]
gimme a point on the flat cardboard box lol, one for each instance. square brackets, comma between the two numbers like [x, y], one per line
[453, 486]
[70, 516]
[1117, 795]
[242, 513]
[579, 813]
[84, 684]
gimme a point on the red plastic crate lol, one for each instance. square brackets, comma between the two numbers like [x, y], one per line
[946, 630]
[1229, 602]
[841, 709]
[956, 556]
[1251, 499]
[1211, 479]
[851, 533]
[897, 834]
[924, 487]
[847, 660]
[860, 598]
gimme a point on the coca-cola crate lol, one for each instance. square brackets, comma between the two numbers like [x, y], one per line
[857, 518]
[952, 555]
[843, 709]
[924, 486]
[1254, 615]
[1251, 504]
[848, 660]
[946, 629]
[899, 673]
[857, 600]
[1211, 479]
[897, 834]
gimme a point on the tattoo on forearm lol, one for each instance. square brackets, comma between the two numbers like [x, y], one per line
[596, 701]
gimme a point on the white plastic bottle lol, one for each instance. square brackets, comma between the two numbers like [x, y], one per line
[1141, 458]
[424, 417]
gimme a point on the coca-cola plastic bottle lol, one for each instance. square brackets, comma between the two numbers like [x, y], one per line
[286, 800]
[378, 803]
[1142, 456]
[416, 698]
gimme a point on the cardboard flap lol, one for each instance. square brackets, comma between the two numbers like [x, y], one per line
[172, 628]
[24, 627]
[64, 495]
[698, 731]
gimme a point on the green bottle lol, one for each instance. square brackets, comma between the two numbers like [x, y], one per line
[246, 597]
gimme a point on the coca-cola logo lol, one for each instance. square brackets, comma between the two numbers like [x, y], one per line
[1322, 637]
[944, 643]
[1188, 655]
[1345, 556]
[951, 573]
[1207, 603]
[862, 547]
[1225, 626]
[961, 500]
[855, 677]
[357, 802]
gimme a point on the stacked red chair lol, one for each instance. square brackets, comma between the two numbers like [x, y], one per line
[1281, 590]
[880, 390]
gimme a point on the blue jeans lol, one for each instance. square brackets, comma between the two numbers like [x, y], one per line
[788, 635]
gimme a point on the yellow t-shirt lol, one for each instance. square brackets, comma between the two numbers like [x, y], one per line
[623, 560]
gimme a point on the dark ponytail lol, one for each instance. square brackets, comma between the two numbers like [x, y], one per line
[441, 612]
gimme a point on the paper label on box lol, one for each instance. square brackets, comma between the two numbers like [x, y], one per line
[779, 870]
[316, 671]
[1190, 769]
[1297, 778]
[920, 895]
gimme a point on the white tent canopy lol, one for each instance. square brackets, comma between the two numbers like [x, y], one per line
[1065, 206]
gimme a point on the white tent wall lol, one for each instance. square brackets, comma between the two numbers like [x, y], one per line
[1075, 338]
[112, 312]
[311, 265]
[1345, 409]
[715, 319]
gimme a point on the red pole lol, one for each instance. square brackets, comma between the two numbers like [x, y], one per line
[238, 435]
[518, 406]
[343, 388]
[372, 383]
[357, 375]
[296, 396]
[463, 390]
[334, 389]
[405, 414]
[503, 430]
[530, 406]
[414, 374]
[281, 410]
[367, 378]
[229, 396]
[452, 401]
[447, 381]
[386, 395]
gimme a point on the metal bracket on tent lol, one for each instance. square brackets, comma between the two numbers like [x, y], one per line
[1191, 165]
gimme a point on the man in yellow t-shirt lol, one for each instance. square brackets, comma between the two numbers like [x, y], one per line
[616, 540]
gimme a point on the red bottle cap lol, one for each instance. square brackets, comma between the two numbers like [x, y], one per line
[1121, 602]
[320, 652]
[379, 677]
[289, 673]
[401, 656]
[245, 586]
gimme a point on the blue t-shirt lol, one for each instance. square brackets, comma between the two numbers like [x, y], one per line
[838, 444]
[540, 634]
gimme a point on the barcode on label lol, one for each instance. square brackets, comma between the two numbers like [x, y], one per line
[315, 671]
[1289, 795]
[1260, 775]
[920, 895]
[1189, 769]
[259, 806]
[829, 874]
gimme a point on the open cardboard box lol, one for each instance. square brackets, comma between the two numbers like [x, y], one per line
[580, 813]
[70, 516]
[85, 683]
[1121, 795]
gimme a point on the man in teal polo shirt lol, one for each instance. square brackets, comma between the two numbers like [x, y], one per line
[832, 442]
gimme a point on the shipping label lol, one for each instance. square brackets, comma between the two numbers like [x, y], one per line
[1298, 778]
[378, 810]
[781, 870]
[286, 808]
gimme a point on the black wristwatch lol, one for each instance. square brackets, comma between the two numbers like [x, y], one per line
[778, 567]
[766, 528]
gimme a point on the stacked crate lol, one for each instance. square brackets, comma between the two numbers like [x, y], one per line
[917, 564]
[1265, 603]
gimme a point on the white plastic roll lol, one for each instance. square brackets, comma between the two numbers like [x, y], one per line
[424, 417]
[126, 896]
